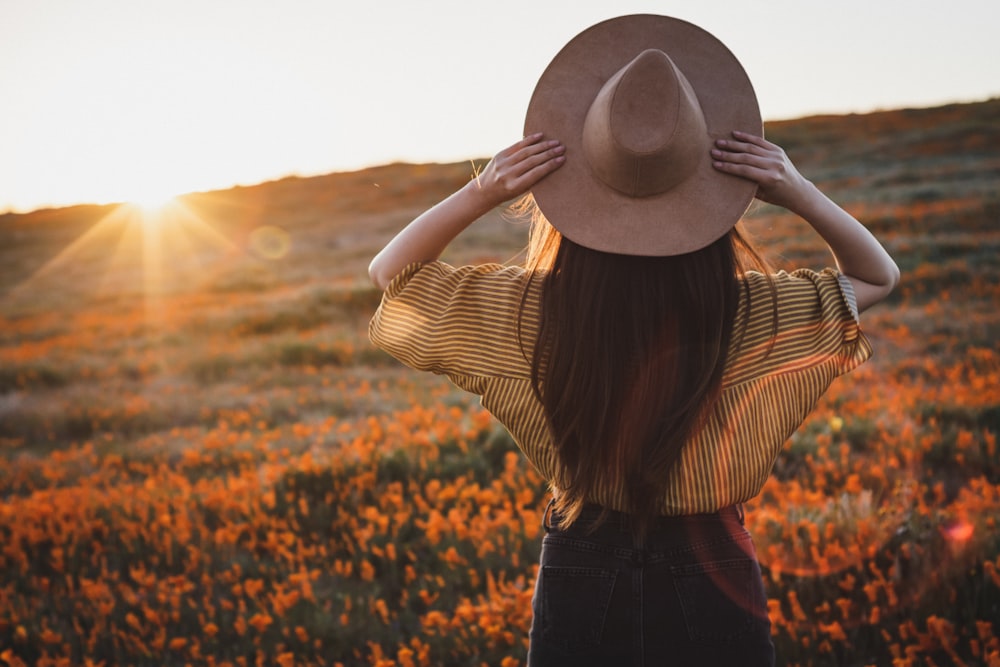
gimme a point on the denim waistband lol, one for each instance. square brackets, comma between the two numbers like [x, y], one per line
[666, 531]
[591, 513]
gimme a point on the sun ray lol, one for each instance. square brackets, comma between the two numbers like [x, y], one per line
[133, 248]
[121, 258]
[191, 219]
[108, 225]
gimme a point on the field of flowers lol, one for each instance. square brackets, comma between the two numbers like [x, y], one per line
[203, 461]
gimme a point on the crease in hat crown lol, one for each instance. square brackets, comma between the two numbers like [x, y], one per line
[638, 126]
[644, 132]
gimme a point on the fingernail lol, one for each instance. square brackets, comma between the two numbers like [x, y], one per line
[716, 152]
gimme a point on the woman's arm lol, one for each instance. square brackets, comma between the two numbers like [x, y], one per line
[858, 254]
[512, 172]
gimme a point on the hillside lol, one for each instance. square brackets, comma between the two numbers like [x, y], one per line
[204, 461]
[335, 222]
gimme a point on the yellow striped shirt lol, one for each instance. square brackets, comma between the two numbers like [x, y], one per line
[463, 323]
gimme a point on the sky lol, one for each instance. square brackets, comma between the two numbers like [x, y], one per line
[116, 100]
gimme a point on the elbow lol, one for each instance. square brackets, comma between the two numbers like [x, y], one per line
[890, 279]
[888, 282]
[875, 288]
[894, 276]
[886, 287]
[376, 273]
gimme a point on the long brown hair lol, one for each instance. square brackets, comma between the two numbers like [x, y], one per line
[629, 360]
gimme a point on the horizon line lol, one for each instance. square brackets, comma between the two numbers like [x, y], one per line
[10, 209]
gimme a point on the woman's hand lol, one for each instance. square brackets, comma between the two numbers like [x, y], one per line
[858, 254]
[764, 163]
[511, 173]
[515, 170]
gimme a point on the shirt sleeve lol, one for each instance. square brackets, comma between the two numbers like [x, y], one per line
[809, 320]
[460, 322]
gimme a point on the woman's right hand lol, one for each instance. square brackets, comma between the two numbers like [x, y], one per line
[515, 170]
[511, 173]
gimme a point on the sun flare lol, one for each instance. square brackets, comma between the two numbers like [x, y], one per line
[153, 204]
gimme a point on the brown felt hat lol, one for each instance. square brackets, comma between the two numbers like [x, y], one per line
[638, 101]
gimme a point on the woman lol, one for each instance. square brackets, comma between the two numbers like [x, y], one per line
[643, 360]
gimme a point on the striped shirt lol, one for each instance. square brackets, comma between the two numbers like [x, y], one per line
[463, 323]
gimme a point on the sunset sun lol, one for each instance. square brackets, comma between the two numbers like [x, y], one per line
[153, 203]
[151, 198]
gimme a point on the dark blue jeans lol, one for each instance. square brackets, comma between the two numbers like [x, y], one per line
[693, 595]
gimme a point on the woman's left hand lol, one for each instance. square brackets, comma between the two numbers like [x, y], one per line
[766, 164]
[859, 255]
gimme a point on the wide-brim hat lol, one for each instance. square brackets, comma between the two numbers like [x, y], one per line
[638, 102]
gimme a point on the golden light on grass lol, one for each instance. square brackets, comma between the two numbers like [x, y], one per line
[249, 453]
[172, 233]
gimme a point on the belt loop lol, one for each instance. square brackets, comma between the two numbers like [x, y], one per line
[545, 515]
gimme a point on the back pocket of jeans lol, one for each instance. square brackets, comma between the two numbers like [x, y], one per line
[574, 604]
[721, 600]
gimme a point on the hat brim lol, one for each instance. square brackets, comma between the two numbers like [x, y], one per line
[685, 218]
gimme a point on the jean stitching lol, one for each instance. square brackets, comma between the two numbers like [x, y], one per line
[708, 566]
[591, 547]
[660, 556]
[637, 606]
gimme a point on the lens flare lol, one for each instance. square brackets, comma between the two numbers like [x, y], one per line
[270, 242]
[959, 532]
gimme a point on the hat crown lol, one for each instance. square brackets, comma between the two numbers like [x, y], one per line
[638, 127]
[645, 132]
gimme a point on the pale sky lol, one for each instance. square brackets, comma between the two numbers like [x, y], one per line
[116, 100]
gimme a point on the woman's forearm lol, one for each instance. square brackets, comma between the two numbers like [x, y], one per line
[858, 254]
[430, 233]
[511, 173]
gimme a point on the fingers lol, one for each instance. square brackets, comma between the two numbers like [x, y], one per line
[518, 167]
[518, 146]
[754, 139]
[747, 143]
[538, 155]
[531, 154]
[746, 155]
[740, 163]
[535, 145]
[529, 145]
